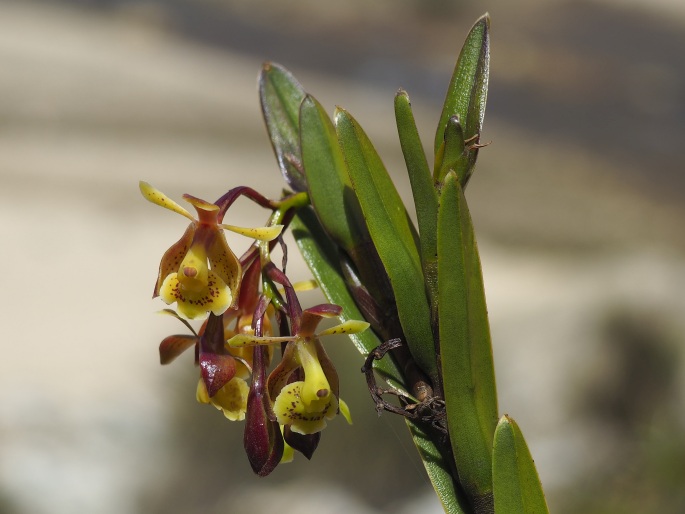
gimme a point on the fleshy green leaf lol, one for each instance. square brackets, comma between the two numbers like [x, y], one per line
[454, 157]
[280, 96]
[466, 95]
[338, 210]
[465, 348]
[516, 483]
[423, 191]
[451, 497]
[321, 256]
[330, 189]
[393, 237]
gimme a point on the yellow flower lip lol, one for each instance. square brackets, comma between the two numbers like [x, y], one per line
[231, 399]
[303, 418]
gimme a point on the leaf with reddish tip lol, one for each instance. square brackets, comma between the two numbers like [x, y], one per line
[173, 346]
[281, 95]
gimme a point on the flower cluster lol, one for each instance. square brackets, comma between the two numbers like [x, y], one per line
[237, 298]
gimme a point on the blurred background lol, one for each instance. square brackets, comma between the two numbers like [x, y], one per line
[577, 203]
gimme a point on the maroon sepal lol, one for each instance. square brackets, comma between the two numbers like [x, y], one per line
[173, 346]
[216, 371]
[262, 438]
[305, 444]
[217, 366]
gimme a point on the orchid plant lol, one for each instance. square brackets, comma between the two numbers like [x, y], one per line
[410, 297]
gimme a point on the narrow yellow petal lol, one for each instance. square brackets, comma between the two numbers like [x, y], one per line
[349, 327]
[301, 286]
[345, 410]
[260, 233]
[240, 340]
[288, 451]
[157, 197]
[225, 264]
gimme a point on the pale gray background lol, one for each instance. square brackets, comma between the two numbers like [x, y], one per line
[578, 207]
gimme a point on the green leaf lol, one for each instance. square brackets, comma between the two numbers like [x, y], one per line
[467, 95]
[338, 210]
[330, 189]
[280, 96]
[423, 191]
[393, 237]
[452, 499]
[455, 156]
[321, 255]
[516, 483]
[465, 349]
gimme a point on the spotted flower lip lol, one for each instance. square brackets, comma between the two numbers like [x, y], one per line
[304, 404]
[224, 369]
[231, 399]
[199, 272]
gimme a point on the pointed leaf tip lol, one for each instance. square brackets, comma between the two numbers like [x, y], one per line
[467, 94]
[280, 96]
[516, 483]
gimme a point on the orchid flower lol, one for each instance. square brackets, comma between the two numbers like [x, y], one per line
[200, 272]
[305, 403]
[226, 372]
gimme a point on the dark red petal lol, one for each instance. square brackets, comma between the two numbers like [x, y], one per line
[249, 288]
[328, 369]
[312, 316]
[305, 444]
[172, 258]
[173, 346]
[281, 373]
